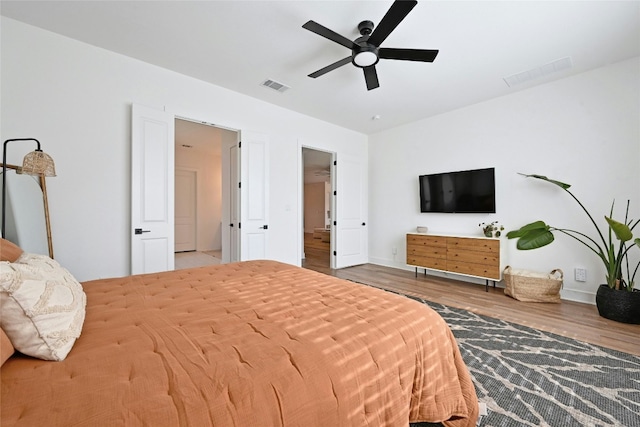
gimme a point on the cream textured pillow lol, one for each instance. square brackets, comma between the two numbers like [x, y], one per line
[42, 305]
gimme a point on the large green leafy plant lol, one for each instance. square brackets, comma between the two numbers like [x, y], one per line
[620, 271]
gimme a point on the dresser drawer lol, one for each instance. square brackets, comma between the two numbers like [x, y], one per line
[483, 258]
[426, 240]
[476, 245]
[487, 271]
[426, 262]
[431, 252]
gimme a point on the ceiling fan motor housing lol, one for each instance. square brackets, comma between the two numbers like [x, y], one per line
[365, 28]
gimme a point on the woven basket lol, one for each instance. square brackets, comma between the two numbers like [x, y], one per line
[530, 286]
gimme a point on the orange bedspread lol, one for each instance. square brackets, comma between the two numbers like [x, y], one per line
[248, 344]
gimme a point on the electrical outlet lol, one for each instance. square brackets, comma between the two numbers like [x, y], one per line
[580, 274]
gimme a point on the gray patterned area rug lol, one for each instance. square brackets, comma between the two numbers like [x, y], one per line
[529, 377]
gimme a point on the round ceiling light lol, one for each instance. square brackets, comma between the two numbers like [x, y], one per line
[365, 59]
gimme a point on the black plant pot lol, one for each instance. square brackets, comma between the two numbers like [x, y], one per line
[621, 306]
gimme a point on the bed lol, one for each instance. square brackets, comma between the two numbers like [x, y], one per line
[257, 343]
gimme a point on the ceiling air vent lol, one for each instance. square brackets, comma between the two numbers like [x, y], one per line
[539, 72]
[278, 87]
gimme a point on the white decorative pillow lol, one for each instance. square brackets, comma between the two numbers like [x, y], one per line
[42, 305]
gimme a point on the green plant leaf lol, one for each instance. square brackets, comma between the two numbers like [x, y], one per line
[534, 239]
[537, 225]
[637, 241]
[622, 231]
[553, 181]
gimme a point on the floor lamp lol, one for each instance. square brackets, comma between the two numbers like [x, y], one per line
[35, 163]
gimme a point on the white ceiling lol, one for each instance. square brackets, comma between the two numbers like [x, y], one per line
[198, 137]
[239, 44]
[317, 165]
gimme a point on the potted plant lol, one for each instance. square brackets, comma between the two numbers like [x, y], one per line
[617, 299]
[493, 229]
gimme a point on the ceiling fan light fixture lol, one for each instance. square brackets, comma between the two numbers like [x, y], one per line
[365, 58]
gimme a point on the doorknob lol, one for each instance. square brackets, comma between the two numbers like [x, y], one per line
[363, 224]
[140, 231]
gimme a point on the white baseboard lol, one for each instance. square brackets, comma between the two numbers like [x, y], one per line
[565, 294]
[578, 296]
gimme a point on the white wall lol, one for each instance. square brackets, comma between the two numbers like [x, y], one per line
[583, 130]
[76, 99]
[314, 206]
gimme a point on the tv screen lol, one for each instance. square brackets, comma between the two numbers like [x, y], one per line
[471, 191]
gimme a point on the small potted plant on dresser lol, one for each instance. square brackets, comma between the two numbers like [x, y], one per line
[617, 299]
[493, 229]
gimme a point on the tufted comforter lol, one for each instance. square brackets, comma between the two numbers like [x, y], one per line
[257, 343]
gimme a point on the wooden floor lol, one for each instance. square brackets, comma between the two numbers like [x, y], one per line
[570, 319]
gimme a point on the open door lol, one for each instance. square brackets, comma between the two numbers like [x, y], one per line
[231, 198]
[254, 196]
[186, 210]
[351, 238]
[152, 190]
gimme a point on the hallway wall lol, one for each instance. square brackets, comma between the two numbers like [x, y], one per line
[208, 166]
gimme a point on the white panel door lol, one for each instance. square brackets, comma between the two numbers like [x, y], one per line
[152, 190]
[185, 210]
[234, 233]
[254, 200]
[351, 212]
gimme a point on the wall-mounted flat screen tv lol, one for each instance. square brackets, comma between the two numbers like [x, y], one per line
[471, 191]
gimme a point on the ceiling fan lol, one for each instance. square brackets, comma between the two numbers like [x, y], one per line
[366, 50]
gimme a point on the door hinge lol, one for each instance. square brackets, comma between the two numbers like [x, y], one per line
[335, 253]
[239, 225]
[239, 144]
[335, 223]
[335, 163]
[335, 193]
[239, 185]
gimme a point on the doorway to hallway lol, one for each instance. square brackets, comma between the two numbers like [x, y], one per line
[317, 206]
[199, 201]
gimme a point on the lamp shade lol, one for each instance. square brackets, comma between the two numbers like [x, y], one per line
[38, 162]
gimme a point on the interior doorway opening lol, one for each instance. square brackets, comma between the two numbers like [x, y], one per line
[317, 207]
[200, 202]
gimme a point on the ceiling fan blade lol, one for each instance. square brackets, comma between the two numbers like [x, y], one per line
[331, 67]
[371, 77]
[396, 13]
[323, 31]
[423, 55]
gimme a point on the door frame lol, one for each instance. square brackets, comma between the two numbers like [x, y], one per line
[333, 181]
[227, 187]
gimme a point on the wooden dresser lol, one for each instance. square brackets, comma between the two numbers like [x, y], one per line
[479, 257]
